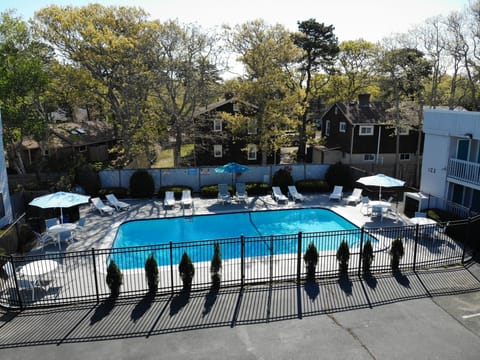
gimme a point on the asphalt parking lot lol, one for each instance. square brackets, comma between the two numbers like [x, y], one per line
[433, 314]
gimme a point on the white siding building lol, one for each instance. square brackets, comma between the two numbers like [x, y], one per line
[5, 208]
[451, 158]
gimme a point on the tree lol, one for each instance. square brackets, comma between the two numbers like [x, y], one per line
[319, 48]
[185, 73]
[112, 44]
[404, 70]
[355, 70]
[24, 64]
[268, 54]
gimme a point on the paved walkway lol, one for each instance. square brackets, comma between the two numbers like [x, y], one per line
[431, 314]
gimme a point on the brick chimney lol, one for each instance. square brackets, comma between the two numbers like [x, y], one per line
[364, 100]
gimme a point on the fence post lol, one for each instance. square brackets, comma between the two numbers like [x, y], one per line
[171, 266]
[415, 248]
[95, 277]
[360, 252]
[299, 256]
[20, 302]
[467, 239]
[242, 261]
[271, 259]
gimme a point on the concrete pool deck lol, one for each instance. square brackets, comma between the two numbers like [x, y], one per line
[100, 230]
[430, 314]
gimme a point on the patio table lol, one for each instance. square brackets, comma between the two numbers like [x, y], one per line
[58, 229]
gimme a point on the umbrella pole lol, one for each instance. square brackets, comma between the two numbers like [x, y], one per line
[61, 215]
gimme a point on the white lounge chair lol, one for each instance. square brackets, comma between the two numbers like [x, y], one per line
[278, 196]
[169, 200]
[186, 200]
[294, 194]
[224, 194]
[241, 192]
[337, 193]
[355, 197]
[117, 204]
[101, 207]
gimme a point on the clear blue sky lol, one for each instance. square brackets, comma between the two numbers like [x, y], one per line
[353, 19]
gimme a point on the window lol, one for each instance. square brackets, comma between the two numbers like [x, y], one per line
[235, 107]
[336, 111]
[217, 151]
[403, 131]
[252, 126]
[405, 157]
[217, 124]
[343, 127]
[82, 148]
[252, 152]
[327, 127]
[369, 157]
[365, 130]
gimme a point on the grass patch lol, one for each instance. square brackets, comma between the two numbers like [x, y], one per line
[165, 157]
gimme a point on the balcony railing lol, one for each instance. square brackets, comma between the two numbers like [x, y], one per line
[464, 170]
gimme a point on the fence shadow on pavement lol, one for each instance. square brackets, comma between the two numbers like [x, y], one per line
[225, 307]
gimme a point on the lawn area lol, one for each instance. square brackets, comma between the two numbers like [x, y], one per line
[165, 156]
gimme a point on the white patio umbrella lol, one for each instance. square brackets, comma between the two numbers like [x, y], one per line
[381, 180]
[59, 200]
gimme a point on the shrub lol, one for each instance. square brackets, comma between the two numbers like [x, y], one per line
[311, 259]
[114, 278]
[216, 265]
[88, 179]
[343, 255]
[186, 270]
[367, 257]
[282, 178]
[311, 186]
[142, 184]
[396, 253]
[177, 190]
[339, 174]
[151, 272]
[257, 188]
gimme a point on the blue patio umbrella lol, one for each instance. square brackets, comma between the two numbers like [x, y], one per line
[381, 180]
[60, 200]
[231, 168]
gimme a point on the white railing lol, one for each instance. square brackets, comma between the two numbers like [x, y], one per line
[464, 170]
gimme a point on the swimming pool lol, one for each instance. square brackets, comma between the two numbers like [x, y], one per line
[282, 225]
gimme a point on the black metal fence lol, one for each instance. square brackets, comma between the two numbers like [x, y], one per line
[71, 277]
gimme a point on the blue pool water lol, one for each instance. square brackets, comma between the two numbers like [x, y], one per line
[228, 226]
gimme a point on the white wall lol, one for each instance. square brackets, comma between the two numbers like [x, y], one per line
[8, 218]
[440, 126]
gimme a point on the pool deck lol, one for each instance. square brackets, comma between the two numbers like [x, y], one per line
[429, 314]
[100, 230]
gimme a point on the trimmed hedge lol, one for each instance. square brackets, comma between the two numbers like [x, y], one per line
[142, 184]
[312, 186]
[177, 190]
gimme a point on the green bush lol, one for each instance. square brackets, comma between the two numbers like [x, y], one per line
[186, 270]
[211, 191]
[88, 179]
[311, 259]
[343, 255]
[339, 174]
[177, 190]
[216, 265]
[151, 272]
[142, 184]
[312, 186]
[114, 278]
[257, 189]
[367, 257]
[283, 179]
[396, 253]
